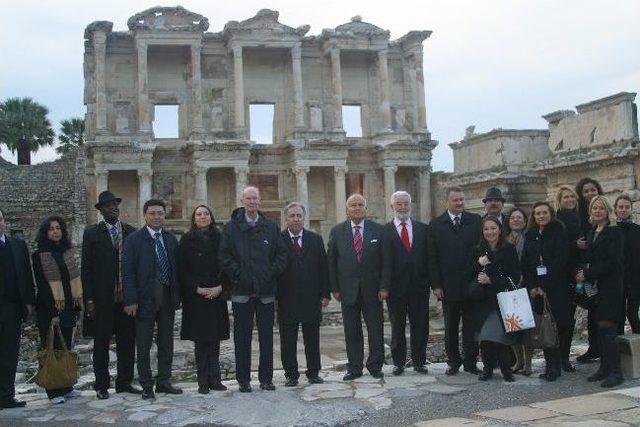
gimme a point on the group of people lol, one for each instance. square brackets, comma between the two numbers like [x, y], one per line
[131, 282]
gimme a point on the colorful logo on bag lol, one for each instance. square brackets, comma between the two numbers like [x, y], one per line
[512, 323]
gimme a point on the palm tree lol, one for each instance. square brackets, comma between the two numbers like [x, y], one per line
[24, 127]
[71, 134]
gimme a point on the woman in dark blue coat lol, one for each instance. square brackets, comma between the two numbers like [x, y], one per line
[495, 269]
[604, 268]
[631, 231]
[205, 318]
[544, 272]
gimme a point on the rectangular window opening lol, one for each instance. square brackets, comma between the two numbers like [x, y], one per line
[166, 122]
[261, 119]
[352, 120]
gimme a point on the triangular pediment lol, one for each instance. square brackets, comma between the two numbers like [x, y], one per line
[266, 20]
[168, 19]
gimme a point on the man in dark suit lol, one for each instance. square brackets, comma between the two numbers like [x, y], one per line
[102, 284]
[406, 239]
[359, 277]
[303, 289]
[17, 300]
[152, 295]
[494, 203]
[452, 238]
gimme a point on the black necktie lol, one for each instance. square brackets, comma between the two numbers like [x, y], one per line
[456, 222]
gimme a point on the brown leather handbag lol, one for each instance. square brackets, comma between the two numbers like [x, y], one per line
[58, 368]
[545, 334]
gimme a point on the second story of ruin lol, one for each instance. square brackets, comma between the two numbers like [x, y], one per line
[167, 57]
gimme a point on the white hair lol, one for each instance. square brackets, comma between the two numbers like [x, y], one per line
[357, 195]
[400, 193]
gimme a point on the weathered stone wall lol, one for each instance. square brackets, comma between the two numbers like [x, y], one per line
[31, 193]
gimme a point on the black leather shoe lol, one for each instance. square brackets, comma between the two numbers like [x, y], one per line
[168, 388]
[267, 386]
[612, 380]
[421, 369]
[148, 394]
[128, 389]
[452, 370]
[12, 403]
[350, 376]
[398, 370]
[599, 375]
[485, 375]
[291, 382]
[508, 377]
[587, 357]
[472, 369]
[102, 394]
[316, 380]
[244, 387]
[377, 375]
[203, 389]
[567, 366]
[217, 386]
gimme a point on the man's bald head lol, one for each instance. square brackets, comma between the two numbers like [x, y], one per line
[356, 207]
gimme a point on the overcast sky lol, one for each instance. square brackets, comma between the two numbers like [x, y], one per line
[491, 63]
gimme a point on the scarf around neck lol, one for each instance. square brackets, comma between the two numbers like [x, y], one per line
[52, 274]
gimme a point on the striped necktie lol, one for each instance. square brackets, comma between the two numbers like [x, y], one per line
[357, 242]
[162, 260]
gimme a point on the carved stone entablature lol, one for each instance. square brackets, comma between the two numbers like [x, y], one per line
[103, 26]
[168, 19]
[493, 177]
[412, 40]
[265, 23]
[615, 154]
[605, 102]
[498, 133]
[556, 116]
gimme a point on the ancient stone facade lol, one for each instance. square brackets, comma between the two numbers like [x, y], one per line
[168, 57]
[599, 139]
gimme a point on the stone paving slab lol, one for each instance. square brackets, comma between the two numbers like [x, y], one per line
[631, 392]
[587, 405]
[451, 422]
[518, 414]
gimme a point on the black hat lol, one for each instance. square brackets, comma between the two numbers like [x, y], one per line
[106, 197]
[493, 193]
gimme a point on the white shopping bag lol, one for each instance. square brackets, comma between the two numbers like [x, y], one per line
[515, 310]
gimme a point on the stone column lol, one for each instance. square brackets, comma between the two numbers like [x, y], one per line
[144, 189]
[411, 91]
[144, 114]
[241, 180]
[196, 90]
[100, 54]
[336, 80]
[385, 97]
[238, 85]
[340, 193]
[422, 112]
[302, 189]
[424, 198]
[200, 187]
[298, 107]
[102, 181]
[389, 189]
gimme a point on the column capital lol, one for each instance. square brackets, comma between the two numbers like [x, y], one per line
[390, 169]
[99, 38]
[196, 170]
[241, 169]
[299, 170]
[296, 51]
[340, 170]
[145, 173]
[237, 50]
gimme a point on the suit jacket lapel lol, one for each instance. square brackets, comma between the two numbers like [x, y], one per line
[306, 241]
[348, 239]
[366, 238]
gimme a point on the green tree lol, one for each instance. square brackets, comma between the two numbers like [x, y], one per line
[24, 127]
[71, 134]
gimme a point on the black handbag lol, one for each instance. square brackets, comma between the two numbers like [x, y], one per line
[545, 333]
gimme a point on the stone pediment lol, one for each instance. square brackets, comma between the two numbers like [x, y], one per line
[266, 20]
[357, 27]
[168, 19]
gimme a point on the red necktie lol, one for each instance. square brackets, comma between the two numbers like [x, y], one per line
[357, 242]
[404, 235]
[296, 244]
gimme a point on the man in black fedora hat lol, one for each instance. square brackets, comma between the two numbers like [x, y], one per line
[493, 203]
[102, 282]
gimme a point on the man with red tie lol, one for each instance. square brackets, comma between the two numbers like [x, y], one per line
[406, 241]
[359, 277]
[303, 289]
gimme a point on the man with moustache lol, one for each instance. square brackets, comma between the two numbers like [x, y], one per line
[152, 295]
[452, 238]
[102, 245]
[359, 277]
[303, 289]
[17, 302]
[406, 239]
[494, 203]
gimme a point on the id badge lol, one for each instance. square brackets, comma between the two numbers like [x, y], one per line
[542, 270]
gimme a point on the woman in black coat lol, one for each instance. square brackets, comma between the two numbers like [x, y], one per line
[544, 271]
[205, 318]
[568, 214]
[605, 269]
[631, 232]
[495, 268]
[59, 296]
[587, 189]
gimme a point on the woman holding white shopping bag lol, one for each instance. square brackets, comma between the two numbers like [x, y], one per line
[495, 267]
